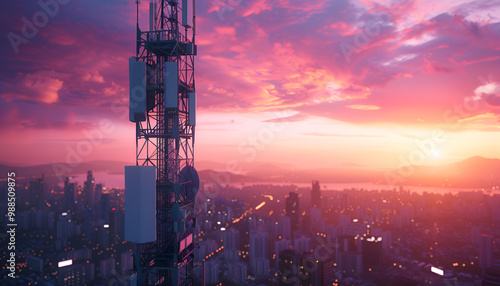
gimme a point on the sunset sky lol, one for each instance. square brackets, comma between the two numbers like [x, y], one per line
[306, 83]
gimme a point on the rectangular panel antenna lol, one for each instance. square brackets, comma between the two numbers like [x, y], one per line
[137, 86]
[192, 109]
[140, 204]
[187, 14]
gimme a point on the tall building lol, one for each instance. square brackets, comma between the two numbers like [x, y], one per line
[350, 262]
[289, 262]
[485, 251]
[348, 243]
[89, 189]
[317, 223]
[88, 227]
[291, 268]
[258, 247]
[285, 227]
[261, 268]
[371, 250]
[37, 192]
[237, 273]
[349, 256]
[407, 281]
[69, 194]
[107, 268]
[344, 202]
[211, 272]
[104, 236]
[105, 208]
[64, 227]
[386, 239]
[302, 243]
[231, 242]
[279, 246]
[293, 211]
[305, 223]
[231, 239]
[34, 263]
[315, 195]
[321, 271]
[96, 203]
[231, 255]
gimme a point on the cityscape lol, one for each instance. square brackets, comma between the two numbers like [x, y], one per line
[266, 234]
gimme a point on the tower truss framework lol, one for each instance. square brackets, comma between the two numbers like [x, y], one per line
[165, 139]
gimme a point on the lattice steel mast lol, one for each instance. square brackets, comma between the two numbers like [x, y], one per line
[165, 139]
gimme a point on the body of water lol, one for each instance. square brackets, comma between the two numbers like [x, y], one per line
[118, 181]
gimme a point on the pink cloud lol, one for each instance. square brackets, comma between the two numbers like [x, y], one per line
[40, 86]
[489, 92]
[225, 30]
[256, 7]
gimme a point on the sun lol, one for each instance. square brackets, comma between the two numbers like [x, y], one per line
[436, 153]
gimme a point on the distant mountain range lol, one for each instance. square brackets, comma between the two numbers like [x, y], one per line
[476, 172]
[51, 169]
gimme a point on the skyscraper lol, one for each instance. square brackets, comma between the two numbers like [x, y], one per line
[238, 273]
[89, 189]
[127, 262]
[105, 208]
[291, 268]
[320, 270]
[258, 247]
[371, 249]
[97, 197]
[349, 257]
[211, 272]
[76, 274]
[292, 210]
[315, 195]
[288, 270]
[107, 267]
[302, 243]
[285, 227]
[317, 223]
[279, 246]
[69, 194]
[104, 236]
[37, 192]
[231, 239]
[407, 281]
[88, 228]
[261, 268]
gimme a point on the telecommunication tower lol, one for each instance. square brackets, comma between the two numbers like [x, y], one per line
[160, 190]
